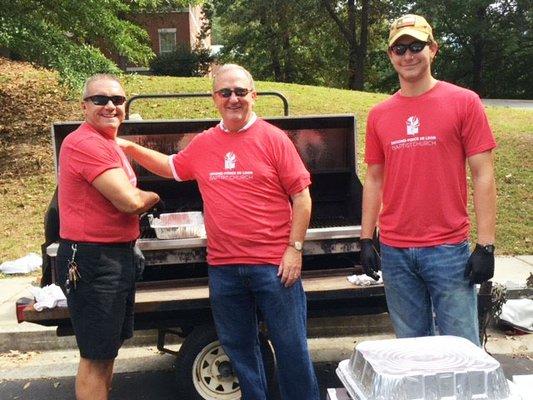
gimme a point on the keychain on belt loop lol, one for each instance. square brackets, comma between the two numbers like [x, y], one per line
[73, 273]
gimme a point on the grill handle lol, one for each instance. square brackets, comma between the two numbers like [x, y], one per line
[194, 95]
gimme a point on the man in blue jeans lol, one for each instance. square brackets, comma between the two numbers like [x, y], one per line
[257, 208]
[418, 143]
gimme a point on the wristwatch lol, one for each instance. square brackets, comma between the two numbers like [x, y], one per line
[489, 248]
[298, 246]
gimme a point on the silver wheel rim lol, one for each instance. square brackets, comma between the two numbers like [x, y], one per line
[208, 378]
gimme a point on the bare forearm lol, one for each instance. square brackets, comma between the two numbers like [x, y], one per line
[372, 192]
[152, 160]
[115, 186]
[301, 214]
[146, 201]
[485, 209]
[481, 166]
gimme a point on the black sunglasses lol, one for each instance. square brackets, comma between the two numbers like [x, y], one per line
[239, 92]
[101, 100]
[415, 47]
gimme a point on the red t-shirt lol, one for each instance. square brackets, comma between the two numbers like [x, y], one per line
[245, 179]
[85, 214]
[423, 143]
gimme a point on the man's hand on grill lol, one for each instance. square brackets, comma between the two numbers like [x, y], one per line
[290, 267]
[370, 259]
[480, 265]
[158, 209]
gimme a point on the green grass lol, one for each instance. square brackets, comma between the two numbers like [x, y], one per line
[26, 193]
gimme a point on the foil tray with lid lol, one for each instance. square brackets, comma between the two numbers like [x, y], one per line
[423, 368]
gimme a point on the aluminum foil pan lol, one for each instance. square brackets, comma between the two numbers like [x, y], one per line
[180, 225]
[423, 368]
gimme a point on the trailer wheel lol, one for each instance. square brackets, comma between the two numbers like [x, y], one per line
[204, 371]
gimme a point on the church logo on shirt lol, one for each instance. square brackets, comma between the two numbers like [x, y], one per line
[230, 160]
[412, 125]
[230, 173]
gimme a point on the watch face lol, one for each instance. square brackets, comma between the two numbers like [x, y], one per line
[489, 248]
[298, 246]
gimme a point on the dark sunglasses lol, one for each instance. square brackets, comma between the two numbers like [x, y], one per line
[239, 92]
[415, 47]
[101, 100]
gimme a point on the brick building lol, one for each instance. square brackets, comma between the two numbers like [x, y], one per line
[168, 31]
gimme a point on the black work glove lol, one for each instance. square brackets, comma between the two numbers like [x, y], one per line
[370, 259]
[480, 265]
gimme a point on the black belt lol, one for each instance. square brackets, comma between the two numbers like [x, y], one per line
[129, 244]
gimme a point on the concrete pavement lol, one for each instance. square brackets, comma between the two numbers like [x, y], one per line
[27, 345]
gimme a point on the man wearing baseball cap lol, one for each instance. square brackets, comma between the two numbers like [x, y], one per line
[418, 143]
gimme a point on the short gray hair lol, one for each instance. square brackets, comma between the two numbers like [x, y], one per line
[98, 77]
[229, 67]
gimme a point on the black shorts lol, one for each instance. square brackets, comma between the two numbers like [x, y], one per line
[101, 305]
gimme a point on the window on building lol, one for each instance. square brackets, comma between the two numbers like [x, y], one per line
[167, 40]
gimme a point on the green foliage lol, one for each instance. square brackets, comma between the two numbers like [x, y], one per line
[74, 36]
[283, 41]
[485, 45]
[182, 62]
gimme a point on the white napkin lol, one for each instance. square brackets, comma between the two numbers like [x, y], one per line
[48, 297]
[23, 265]
[519, 313]
[364, 280]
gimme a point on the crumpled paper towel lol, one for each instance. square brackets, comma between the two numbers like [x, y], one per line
[518, 313]
[49, 296]
[364, 280]
[23, 265]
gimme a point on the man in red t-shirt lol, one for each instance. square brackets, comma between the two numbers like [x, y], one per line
[417, 144]
[99, 205]
[257, 208]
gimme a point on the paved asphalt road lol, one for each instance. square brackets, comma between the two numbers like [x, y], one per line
[160, 385]
[526, 104]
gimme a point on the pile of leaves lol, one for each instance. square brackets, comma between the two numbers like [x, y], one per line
[31, 99]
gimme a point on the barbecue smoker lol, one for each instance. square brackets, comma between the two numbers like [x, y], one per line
[173, 294]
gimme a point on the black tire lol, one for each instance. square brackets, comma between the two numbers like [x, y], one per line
[203, 370]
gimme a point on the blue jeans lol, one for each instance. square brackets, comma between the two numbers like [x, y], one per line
[236, 292]
[422, 280]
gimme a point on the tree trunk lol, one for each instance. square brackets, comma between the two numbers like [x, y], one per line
[361, 50]
[356, 50]
[479, 54]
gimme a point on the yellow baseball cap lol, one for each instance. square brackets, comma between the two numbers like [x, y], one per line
[410, 25]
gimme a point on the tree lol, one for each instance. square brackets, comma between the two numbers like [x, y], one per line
[485, 44]
[294, 41]
[357, 49]
[68, 35]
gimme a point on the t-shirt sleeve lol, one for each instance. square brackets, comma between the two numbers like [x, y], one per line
[293, 175]
[476, 134]
[91, 157]
[373, 149]
[181, 163]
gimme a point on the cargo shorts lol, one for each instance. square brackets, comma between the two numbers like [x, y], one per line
[101, 304]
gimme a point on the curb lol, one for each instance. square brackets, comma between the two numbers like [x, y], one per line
[46, 339]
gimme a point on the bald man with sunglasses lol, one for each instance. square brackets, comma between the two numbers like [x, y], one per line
[257, 207]
[99, 205]
[418, 143]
